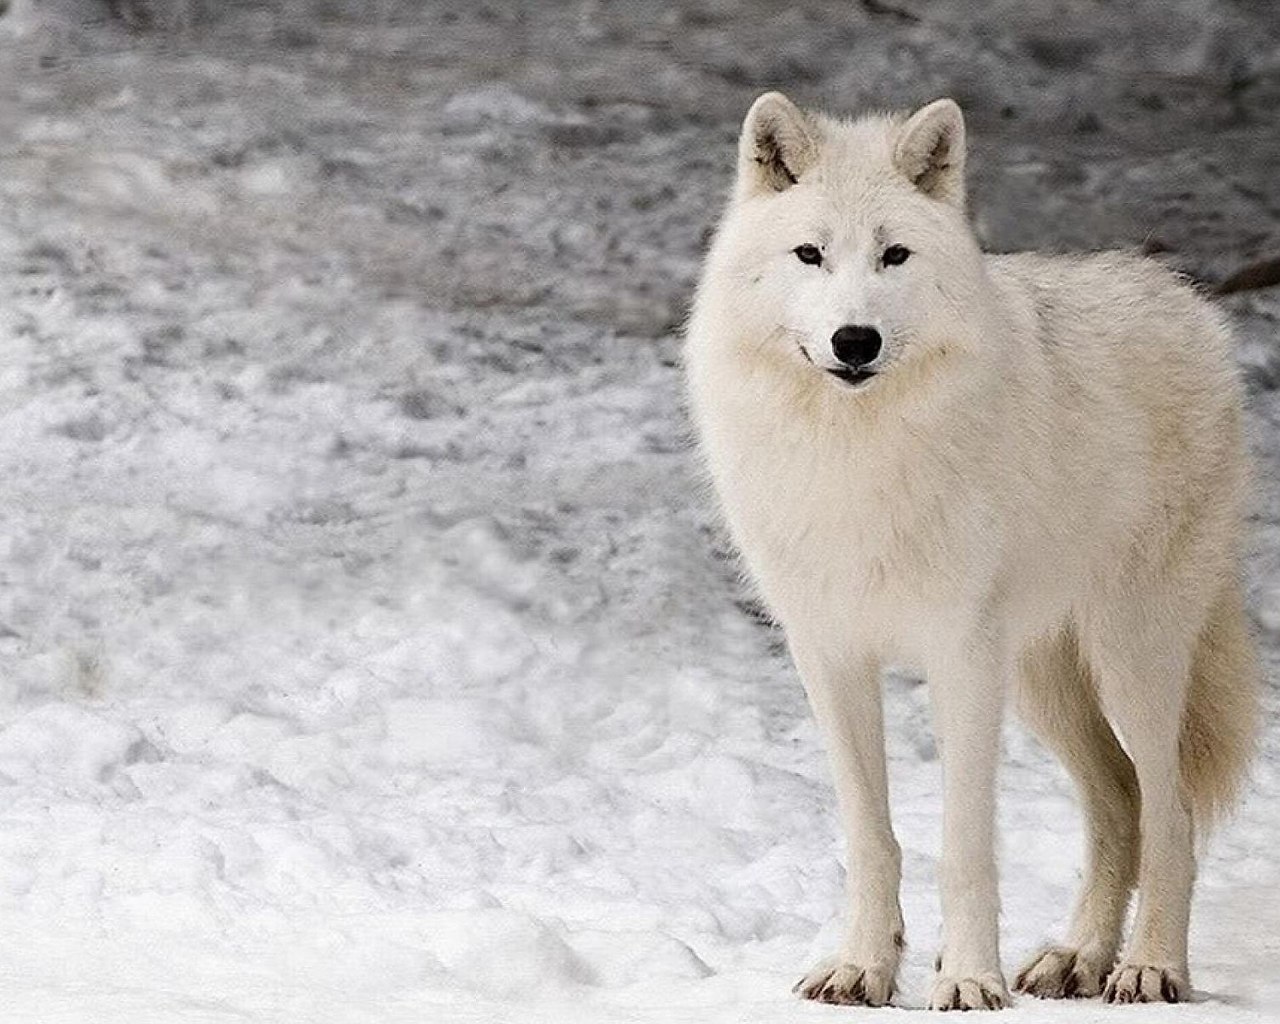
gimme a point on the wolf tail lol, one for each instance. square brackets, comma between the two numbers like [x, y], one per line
[1220, 724]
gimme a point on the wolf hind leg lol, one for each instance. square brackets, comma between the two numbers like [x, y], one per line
[1056, 697]
[1141, 655]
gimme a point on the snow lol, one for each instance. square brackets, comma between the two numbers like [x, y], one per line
[369, 651]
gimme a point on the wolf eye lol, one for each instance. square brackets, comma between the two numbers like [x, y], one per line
[895, 255]
[809, 254]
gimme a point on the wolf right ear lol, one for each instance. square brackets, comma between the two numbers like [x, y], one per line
[779, 142]
[930, 151]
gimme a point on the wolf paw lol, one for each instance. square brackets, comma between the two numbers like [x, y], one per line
[846, 984]
[1060, 972]
[1142, 983]
[987, 992]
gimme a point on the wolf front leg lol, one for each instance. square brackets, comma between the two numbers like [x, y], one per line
[844, 692]
[966, 685]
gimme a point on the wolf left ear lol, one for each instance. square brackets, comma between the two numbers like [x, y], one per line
[779, 142]
[930, 151]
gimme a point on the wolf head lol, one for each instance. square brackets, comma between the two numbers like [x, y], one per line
[845, 246]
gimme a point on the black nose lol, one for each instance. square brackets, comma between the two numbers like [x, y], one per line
[855, 345]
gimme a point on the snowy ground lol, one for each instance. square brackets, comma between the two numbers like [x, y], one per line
[367, 651]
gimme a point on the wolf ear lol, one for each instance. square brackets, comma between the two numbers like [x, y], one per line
[779, 142]
[930, 151]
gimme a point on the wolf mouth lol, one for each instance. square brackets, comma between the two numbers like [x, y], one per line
[849, 375]
[852, 377]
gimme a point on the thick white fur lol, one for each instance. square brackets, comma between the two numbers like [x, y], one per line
[1038, 495]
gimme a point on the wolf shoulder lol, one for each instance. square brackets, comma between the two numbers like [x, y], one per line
[1114, 307]
[1110, 292]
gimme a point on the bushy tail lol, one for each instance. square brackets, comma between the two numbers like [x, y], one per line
[1220, 725]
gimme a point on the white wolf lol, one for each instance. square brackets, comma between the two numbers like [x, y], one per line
[1012, 474]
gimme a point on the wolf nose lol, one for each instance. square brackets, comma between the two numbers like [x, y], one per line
[855, 345]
